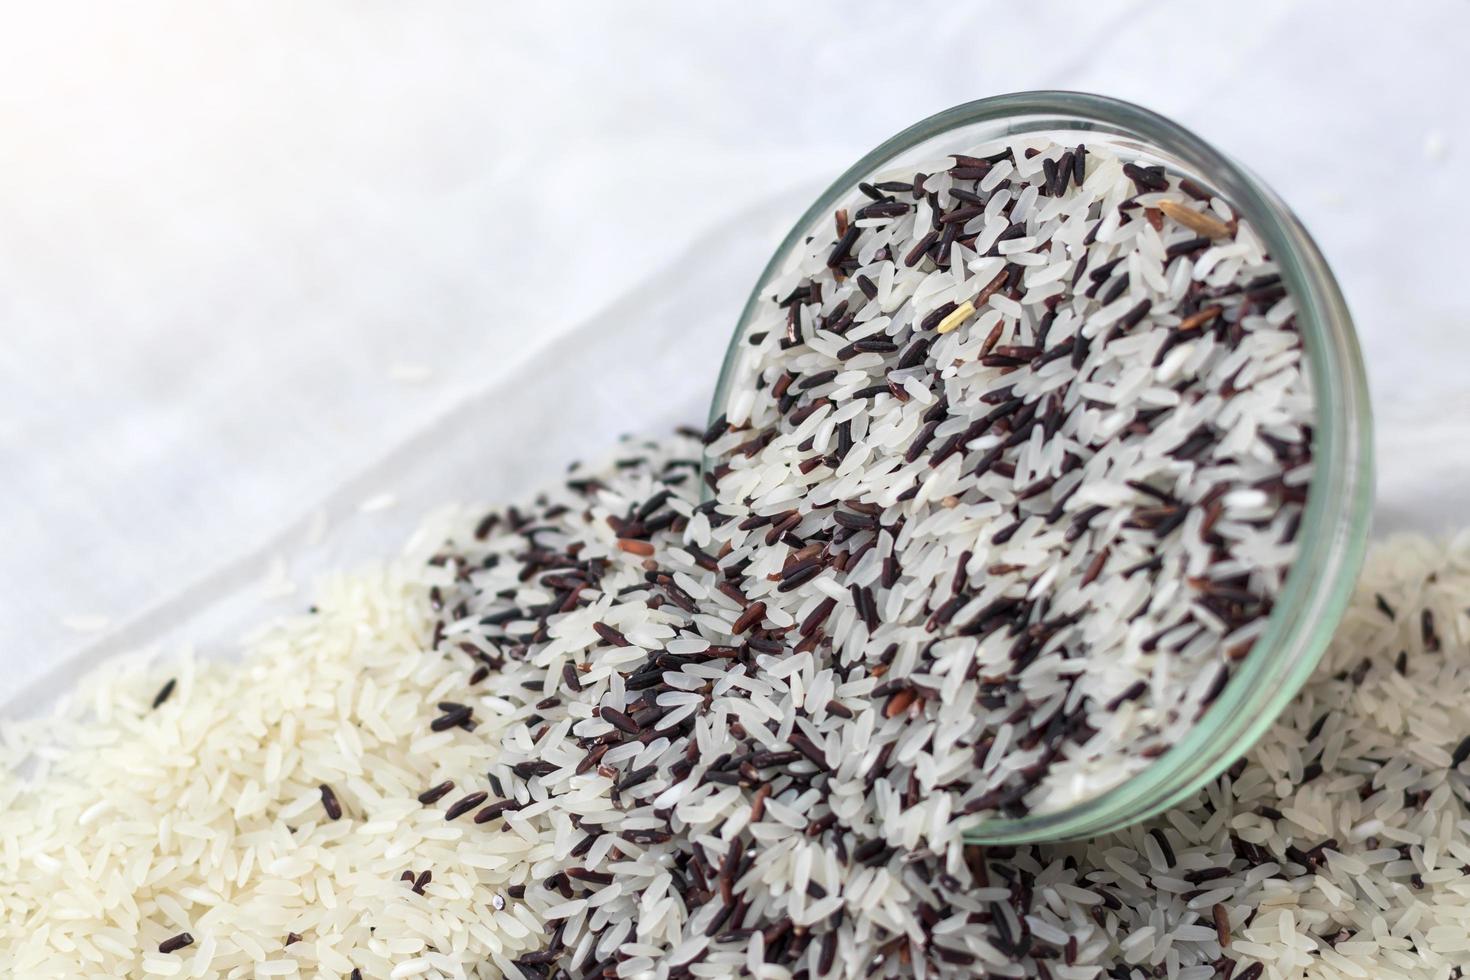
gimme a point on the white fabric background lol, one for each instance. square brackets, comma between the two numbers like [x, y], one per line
[261, 262]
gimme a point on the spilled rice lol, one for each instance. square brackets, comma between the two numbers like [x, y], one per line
[638, 790]
[263, 819]
[1009, 477]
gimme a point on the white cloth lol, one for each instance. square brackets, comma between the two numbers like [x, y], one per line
[264, 261]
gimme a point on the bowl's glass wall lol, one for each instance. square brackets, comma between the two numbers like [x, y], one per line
[1335, 525]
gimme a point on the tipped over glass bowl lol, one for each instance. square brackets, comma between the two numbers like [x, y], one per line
[1334, 527]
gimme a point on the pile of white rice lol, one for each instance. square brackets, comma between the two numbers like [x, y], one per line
[133, 825]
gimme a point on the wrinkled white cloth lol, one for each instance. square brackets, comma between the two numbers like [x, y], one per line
[262, 264]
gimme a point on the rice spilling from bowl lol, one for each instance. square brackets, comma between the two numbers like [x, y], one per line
[1027, 434]
[634, 795]
[766, 822]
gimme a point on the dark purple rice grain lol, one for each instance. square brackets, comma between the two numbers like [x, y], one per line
[1194, 190]
[1016, 229]
[453, 718]
[1171, 523]
[1080, 523]
[716, 429]
[841, 324]
[809, 749]
[1428, 632]
[1163, 841]
[175, 943]
[1064, 172]
[799, 574]
[828, 954]
[1080, 348]
[164, 692]
[806, 411]
[1006, 533]
[1049, 170]
[465, 804]
[915, 353]
[595, 877]
[816, 380]
[1195, 444]
[496, 810]
[486, 525]
[635, 777]
[1360, 672]
[1146, 179]
[1461, 753]
[1136, 314]
[1147, 565]
[961, 215]
[945, 612]
[1114, 290]
[618, 720]
[1186, 247]
[920, 249]
[651, 506]
[434, 794]
[1132, 692]
[797, 295]
[611, 635]
[1101, 273]
[843, 246]
[916, 447]
[882, 209]
[330, 803]
[643, 680]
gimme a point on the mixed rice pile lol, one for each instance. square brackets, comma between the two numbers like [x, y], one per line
[546, 757]
[1009, 478]
[1034, 422]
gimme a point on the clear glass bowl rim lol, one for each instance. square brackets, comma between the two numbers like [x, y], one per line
[1335, 524]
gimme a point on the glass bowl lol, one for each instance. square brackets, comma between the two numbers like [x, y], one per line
[1335, 524]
